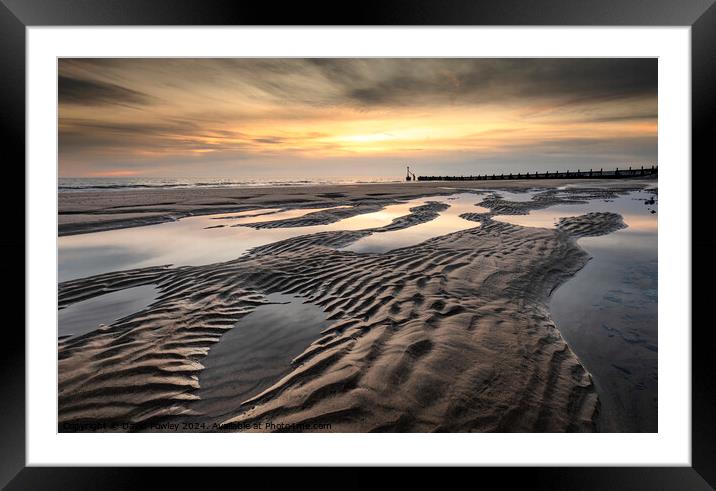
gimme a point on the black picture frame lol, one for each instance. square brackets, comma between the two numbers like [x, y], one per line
[17, 15]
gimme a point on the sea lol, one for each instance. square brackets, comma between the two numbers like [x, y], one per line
[75, 184]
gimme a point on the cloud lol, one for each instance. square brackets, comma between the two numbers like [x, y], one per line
[162, 111]
[368, 83]
[94, 93]
[482, 81]
[271, 140]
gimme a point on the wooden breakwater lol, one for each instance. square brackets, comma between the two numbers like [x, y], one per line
[578, 174]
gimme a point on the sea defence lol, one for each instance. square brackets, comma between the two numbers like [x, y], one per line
[578, 174]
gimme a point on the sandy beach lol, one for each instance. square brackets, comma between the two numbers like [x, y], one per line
[451, 334]
[82, 212]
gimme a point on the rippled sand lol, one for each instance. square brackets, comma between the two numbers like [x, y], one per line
[450, 334]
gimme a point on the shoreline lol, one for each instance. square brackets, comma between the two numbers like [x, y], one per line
[96, 211]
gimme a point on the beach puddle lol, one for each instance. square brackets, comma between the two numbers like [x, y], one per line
[243, 218]
[256, 352]
[191, 241]
[206, 239]
[636, 214]
[247, 213]
[447, 222]
[379, 218]
[520, 197]
[86, 316]
[607, 312]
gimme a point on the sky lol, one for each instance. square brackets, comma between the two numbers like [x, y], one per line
[292, 118]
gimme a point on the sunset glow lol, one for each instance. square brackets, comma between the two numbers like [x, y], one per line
[227, 117]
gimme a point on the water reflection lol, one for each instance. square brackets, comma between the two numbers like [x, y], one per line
[270, 216]
[607, 312]
[248, 213]
[517, 197]
[86, 316]
[447, 222]
[256, 352]
[631, 207]
[197, 240]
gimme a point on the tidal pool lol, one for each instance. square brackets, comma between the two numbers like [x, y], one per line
[607, 312]
[87, 315]
[256, 352]
[189, 241]
[517, 197]
[448, 221]
[208, 239]
[270, 215]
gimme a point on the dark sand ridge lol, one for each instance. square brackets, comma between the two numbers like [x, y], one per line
[81, 212]
[450, 335]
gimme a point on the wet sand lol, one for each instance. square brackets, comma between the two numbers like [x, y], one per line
[451, 334]
[82, 212]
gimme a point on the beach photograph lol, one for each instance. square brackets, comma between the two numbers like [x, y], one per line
[357, 245]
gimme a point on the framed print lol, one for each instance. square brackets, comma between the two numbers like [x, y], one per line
[453, 234]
